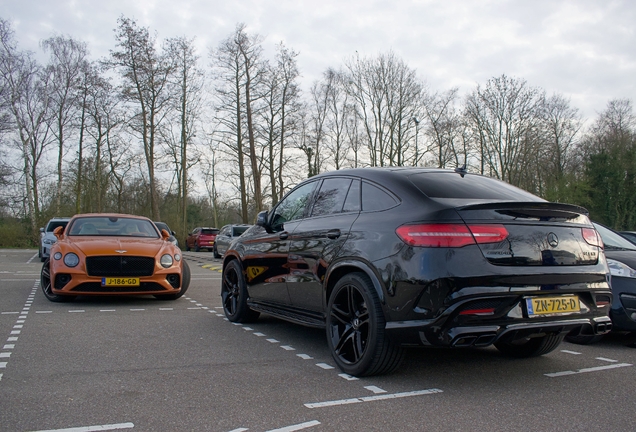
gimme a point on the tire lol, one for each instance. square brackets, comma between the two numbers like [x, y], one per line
[234, 294]
[584, 339]
[43, 259]
[45, 283]
[187, 247]
[355, 329]
[197, 248]
[215, 252]
[531, 347]
[185, 283]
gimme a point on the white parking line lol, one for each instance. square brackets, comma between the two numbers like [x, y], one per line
[305, 356]
[348, 377]
[372, 398]
[592, 369]
[324, 366]
[606, 359]
[570, 352]
[296, 427]
[374, 389]
[93, 428]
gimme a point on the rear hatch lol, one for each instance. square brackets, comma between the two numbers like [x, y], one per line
[539, 233]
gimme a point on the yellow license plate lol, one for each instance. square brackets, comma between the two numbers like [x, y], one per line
[110, 281]
[552, 305]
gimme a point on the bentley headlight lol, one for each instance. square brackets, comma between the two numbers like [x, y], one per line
[166, 261]
[71, 259]
[617, 268]
[58, 255]
[177, 257]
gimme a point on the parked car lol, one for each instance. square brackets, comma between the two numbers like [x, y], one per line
[387, 257]
[113, 254]
[47, 238]
[164, 226]
[629, 235]
[621, 259]
[201, 238]
[226, 236]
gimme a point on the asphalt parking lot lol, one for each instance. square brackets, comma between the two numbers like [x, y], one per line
[120, 363]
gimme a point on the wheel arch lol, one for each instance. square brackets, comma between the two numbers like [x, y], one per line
[343, 267]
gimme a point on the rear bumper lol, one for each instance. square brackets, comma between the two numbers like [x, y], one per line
[475, 335]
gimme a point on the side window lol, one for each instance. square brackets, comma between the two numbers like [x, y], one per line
[375, 199]
[331, 196]
[293, 206]
[352, 202]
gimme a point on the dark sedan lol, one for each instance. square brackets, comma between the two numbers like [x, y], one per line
[387, 257]
[621, 258]
[226, 236]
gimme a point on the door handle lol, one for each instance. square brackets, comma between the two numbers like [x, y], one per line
[333, 234]
[283, 235]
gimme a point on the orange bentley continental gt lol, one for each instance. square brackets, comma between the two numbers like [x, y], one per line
[113, 254]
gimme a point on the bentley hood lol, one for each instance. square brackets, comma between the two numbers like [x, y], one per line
[91, 246]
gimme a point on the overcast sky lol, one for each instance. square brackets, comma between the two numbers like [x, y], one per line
[583, 49]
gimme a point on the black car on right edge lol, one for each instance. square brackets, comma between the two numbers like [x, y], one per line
[384, 258]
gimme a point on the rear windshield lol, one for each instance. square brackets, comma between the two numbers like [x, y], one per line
[54, 224]
[112, 226]
[452, 185]
[238, 231]
[208, 231]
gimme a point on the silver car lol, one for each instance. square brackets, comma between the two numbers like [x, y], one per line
[47, 238]
[226, 236]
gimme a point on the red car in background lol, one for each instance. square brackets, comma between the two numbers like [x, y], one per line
[201, 238]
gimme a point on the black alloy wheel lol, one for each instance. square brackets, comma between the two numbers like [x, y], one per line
[197, 248]
[530, 347]
[185, 283]
[215, 251]
[355, 329]
[45, 282]
[234, 294]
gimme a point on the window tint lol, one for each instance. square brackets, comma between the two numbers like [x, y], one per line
[451, 185]
[331, 196]
[375, 199]
[238, 231]
[293, 206]
[54, 224]
[209, 231]
[352, 202]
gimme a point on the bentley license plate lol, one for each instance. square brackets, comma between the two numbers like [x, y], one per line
[111, 281]
[552, 305]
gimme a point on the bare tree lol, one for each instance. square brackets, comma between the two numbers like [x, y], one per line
[387, 96]
[187, 85]
[228, 72]
[249, 47]
[504, 115]
[26, 97]
[67, 64]
[145, 74]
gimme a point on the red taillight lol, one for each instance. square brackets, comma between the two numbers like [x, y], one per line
[592, 237]
[450, 235]
[482, 311]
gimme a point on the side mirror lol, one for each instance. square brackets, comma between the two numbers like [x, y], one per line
[261, 219]
[165, 234]
[57, 232]
[41, 230]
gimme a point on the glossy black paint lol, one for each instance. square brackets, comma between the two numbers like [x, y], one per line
[291, 267]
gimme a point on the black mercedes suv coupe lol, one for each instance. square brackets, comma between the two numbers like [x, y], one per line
[384, 258]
